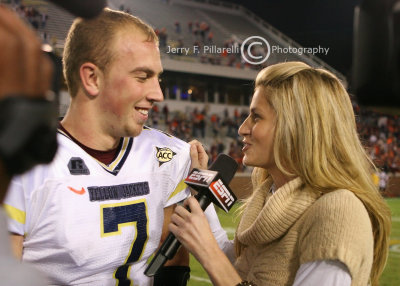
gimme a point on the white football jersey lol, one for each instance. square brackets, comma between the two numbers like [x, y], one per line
[86, 223]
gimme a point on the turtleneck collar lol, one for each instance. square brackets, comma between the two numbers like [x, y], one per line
[268, 216]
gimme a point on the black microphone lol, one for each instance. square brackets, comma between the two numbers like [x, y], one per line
[212, 186]
[82, 8]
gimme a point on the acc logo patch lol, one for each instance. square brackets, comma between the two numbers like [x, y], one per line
[164, 155]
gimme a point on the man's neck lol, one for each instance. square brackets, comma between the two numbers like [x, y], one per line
[86, 128]
[106, 157]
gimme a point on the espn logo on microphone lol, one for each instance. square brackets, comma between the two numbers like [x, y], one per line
[223, 194]
[201, 177]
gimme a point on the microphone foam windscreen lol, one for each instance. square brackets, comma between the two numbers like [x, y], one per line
[226, 166]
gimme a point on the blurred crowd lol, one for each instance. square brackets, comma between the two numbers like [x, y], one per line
[36, 16]
[37, 19]
[381, 134]
[199, 34]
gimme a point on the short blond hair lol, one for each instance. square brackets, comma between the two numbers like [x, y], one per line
[92, 40]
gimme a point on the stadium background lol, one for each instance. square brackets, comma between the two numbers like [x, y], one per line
[207, 94]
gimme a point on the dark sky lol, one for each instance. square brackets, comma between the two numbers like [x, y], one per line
[312, 23]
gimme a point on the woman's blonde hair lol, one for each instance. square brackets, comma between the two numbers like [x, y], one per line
[316, 139]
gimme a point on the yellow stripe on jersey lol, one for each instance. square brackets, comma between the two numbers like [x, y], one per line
[113, 167]
[63, 133]
[118, 159]
[15, 213]
[179, 188]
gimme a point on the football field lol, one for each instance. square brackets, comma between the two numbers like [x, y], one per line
[391, 274]
[390, 277]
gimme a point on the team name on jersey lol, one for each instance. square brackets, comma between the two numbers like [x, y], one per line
[118, 192]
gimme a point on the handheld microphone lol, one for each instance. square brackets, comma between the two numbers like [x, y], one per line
[212, 186]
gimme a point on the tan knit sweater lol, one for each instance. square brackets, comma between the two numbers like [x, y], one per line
[296, 225]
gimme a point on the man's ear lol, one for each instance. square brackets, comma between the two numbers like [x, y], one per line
[90, 78]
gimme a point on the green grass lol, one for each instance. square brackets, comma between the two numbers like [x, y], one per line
[390, 276]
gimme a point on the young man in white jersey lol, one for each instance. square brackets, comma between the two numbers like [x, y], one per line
[98, 212]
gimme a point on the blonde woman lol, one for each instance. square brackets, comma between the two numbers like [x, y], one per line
[315, 216]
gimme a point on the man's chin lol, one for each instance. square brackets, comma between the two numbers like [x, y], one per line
[134, 131]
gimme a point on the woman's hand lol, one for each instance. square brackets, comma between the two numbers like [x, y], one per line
[192, 230]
